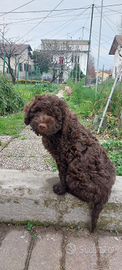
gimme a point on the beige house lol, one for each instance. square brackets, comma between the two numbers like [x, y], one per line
[103, 76]
[116, 50]
[15, 52]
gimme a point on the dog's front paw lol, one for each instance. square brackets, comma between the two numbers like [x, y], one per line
[59, 189]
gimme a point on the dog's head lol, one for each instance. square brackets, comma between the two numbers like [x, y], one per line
[46, 114]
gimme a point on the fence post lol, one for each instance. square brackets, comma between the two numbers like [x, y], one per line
[4, 62]
[25, 74]
[39, 75]
[31, 78]
[36, 74]
[17, 73]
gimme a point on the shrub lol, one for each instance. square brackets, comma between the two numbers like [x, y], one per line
[22, 81]
[10, 99]
[115, 105]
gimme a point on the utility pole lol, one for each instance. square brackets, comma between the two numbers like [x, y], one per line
[90, 38]
[99, 47]
[103, 74]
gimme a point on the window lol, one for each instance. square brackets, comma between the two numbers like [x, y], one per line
[61, 60]
[27, 67]
[20, 67]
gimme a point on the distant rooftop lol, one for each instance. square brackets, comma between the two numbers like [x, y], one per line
[16, 49]
[116, 42]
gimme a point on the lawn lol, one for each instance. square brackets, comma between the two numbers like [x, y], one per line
[12, 124]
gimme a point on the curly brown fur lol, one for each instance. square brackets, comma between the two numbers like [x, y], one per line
[84, 168]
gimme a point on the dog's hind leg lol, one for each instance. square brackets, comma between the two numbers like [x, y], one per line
[95, 214]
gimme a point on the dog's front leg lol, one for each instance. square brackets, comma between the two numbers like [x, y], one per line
[61, 187]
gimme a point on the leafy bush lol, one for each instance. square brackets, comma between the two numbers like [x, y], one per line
[10, 99]
[114, 149]
[40, 88]
[117, 159]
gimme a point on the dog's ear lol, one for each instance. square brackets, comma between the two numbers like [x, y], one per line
[27, 111]
[31, 108]
[65, 114]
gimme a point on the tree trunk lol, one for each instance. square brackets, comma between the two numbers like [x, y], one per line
[54, 78]
[11, 71]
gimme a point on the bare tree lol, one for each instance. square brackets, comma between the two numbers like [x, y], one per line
[10, 52]
[91, 66]
[58, 56]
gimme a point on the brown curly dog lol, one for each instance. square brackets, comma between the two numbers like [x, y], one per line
[84, 168]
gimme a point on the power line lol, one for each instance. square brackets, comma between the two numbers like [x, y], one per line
[11, 11]
[38, 11]
[115, 5]
[42, 19]
[113, 10]
[71, 21]
[65, 9]
[108, 24]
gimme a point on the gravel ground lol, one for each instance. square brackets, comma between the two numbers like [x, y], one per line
[25, 152]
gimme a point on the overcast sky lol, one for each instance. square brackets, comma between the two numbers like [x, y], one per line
[29, 21]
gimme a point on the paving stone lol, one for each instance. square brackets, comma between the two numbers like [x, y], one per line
[81, 254]
[14, 249]
[47, 253]
[111, 252]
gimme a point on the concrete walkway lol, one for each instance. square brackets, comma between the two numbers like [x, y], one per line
[55, 248]
[26, 181]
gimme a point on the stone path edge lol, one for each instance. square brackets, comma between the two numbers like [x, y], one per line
[28, 195]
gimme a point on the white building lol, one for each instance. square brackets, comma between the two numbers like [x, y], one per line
[116, 50]
[66, 53]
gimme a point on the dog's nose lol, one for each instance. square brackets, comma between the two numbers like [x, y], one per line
[42, 126]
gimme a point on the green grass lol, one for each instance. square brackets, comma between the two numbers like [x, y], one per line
[12, 124]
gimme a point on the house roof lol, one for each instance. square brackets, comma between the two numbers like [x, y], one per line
[102, 72]
[116, 42]
[64, 45]
[14, 49]
[65, 41]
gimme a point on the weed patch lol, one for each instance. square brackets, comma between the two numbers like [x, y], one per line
[114, 149]
[10, 100]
